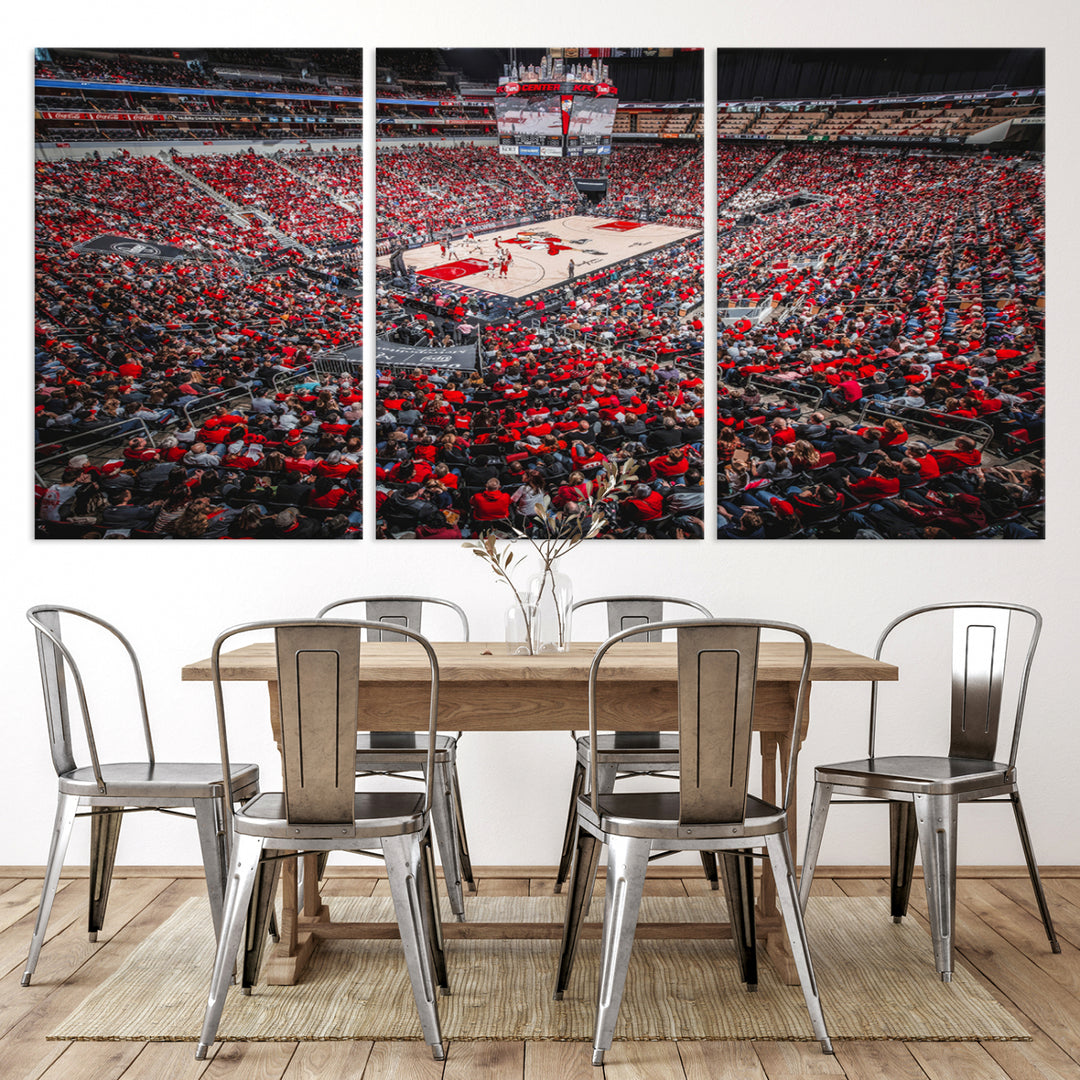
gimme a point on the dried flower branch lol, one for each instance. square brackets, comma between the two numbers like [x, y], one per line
[556, 533]
[499, 561]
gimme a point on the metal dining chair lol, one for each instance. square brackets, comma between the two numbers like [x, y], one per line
[320, 810]
[924, 792]
[711, 811]
[111, 789]
[627, 753]
[401, 754]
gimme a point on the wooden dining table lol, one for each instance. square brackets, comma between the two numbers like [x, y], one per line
[483, 687]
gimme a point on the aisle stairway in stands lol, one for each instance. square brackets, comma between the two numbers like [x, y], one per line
[238, 212]
[535, 176]
[282, 161]
[770, 164]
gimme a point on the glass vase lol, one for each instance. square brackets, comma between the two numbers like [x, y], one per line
[521, 623]
[553, 594]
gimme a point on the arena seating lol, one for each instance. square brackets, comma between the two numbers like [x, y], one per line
[846, 120]
[896, 389]
[601, 373]
[882, 326]
[180, 398]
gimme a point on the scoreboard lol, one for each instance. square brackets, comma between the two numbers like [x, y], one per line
[555, 119]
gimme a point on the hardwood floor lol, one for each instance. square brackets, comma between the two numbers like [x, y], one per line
[999, 934]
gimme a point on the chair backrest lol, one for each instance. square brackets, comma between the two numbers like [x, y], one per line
[717, 675]
[980, 640]
[318, 674]
[56, 662]
[624, 612]
[390, 611]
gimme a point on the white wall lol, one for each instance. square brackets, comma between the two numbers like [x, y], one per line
[172, 598]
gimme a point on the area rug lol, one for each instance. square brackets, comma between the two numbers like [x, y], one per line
[876, 980]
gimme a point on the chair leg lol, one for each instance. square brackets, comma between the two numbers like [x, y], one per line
[815, 830]
[246, 855]
[738, 872]
[787, 898]
[903, 840]
[429, 899]
[464, 858]
[1033, 871]
[105, 822]
[936, 819]
[577, 789]
[403, 868]
[708, 864]
[260, 917]
[442, 818]
[271, 922]
[628, 861]
[212, 841]
[66, 805]
[577, 904]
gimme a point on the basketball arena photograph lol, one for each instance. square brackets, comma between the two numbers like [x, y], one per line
[540, 295]
[198, 303]
[881, 293]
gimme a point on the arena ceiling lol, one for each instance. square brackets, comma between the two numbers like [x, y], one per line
[743, 74]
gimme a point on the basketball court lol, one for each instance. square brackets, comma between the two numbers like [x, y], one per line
[541, 252]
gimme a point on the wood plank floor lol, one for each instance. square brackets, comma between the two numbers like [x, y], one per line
[998, 933]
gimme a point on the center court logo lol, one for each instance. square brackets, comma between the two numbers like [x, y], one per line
[134, 247]
[537, 241]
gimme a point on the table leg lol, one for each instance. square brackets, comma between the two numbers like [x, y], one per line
[312, 900]
[776, 751]
[769, 746]
[289, 910]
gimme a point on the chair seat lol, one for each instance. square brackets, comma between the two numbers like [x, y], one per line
[395, 748]
[624, 746]
[376, 813]
[633, 742]
[655, 814]
[922, 775]
[161, 781]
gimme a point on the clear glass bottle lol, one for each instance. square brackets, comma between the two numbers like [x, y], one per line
[553, 595]
[521, 622]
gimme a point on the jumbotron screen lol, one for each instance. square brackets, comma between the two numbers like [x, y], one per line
[553, 118]
[528, 118]
[592, 117]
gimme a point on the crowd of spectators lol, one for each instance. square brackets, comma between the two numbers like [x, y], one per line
[427, 189]
[337, 70]
[119, 68]
[896, 390]
[286, 94]
[294, 205]
[141, 197]
[554, 406]
[600, 376]
[179, 398]
[421, 191]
